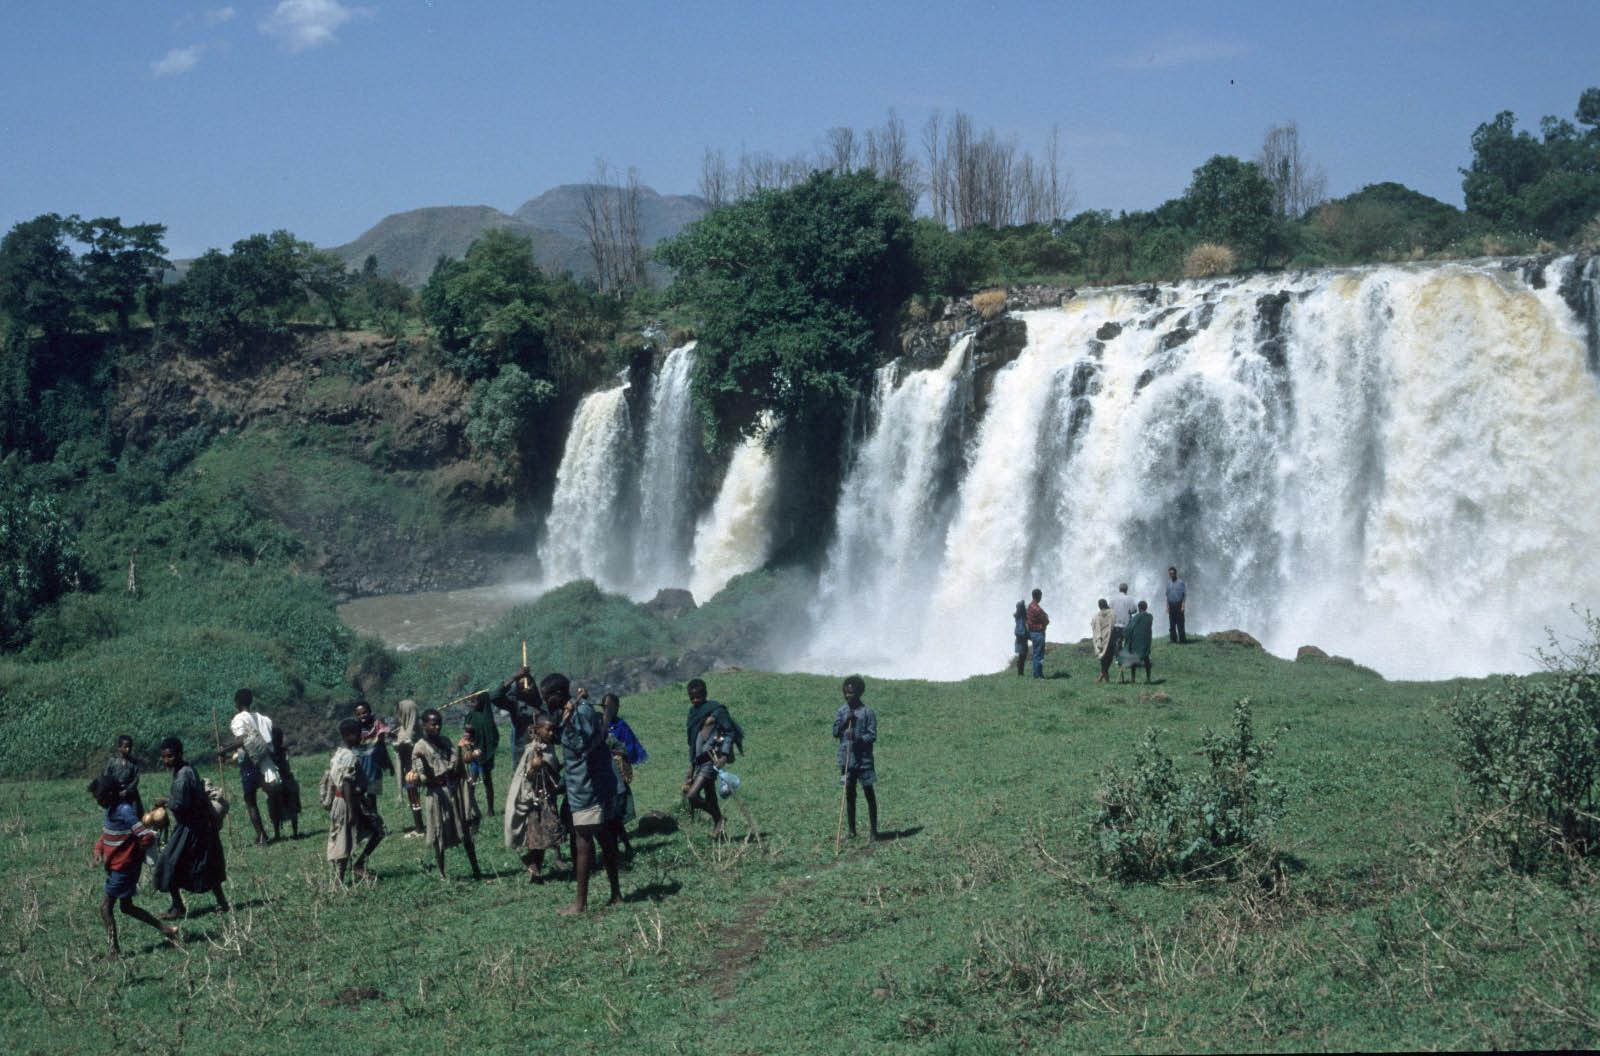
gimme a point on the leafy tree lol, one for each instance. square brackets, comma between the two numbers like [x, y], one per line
[41, 288]
[793, 288]
[490, 308]
[1547, 186]
[254, 290]
[119, 265]
[39, 559]
[1383, 219]
[1231, 202]
[504, 413]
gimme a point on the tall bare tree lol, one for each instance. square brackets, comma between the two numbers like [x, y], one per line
[610, 220]
[888, 153]
[938, 168]
[716, 182]
[840, 151]
[1297, 184]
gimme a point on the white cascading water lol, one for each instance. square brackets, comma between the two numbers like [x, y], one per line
[666, 522]
[584, 537]
[736, 535]
[892, 511]
[1405, 470]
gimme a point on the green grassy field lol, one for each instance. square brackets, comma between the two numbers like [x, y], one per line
[981, 927]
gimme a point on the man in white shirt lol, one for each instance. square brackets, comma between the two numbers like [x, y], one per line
[252, 741]
[1122, 608]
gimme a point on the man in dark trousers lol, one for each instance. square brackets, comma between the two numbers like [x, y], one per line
[1037, 620]
[1177, 597]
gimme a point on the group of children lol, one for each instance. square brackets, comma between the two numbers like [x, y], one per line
[571, 785]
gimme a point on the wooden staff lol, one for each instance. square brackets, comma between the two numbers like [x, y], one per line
[844, 787]
[216, 733]
[460, 700]
[525, 678]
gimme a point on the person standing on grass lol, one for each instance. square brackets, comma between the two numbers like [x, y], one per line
[121, 768]
[1100, 627]
[252, 742]
[856, 729]
[486, 736]
[372, 754]
[1136, 643]
[192, 858]
[350, 817]
[121, 848]
[1177, 598]
[533, 802]
[1019, 620]
[626, 753]
[1037, 620]
[519, 699]
[590, 781]
[710, 727]
[285, 806]
[1122, 608]
[440, 779]
[407, 731]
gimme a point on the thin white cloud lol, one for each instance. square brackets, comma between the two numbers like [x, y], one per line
[300, 25]
[218, 16]
[1180, 51]
[175, 62]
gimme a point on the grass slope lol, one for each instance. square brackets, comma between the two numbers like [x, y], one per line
[981, 928]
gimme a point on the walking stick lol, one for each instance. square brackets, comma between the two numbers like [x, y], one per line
[222, 783]
[844, 786]
[525, 678]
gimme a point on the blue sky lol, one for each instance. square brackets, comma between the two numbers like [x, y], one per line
[323, 116]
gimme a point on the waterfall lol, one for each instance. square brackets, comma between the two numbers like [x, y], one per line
[736, 535]
[586, 532]
[1398, 464]
[666, 525]
[893, 508]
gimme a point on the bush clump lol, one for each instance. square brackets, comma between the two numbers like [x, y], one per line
[989, 303]
[1208, 259]
[1530, 751]
[1154, 823]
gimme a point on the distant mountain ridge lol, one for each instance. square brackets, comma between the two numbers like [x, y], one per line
[407, 245]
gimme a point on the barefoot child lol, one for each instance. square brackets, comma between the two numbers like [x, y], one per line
[121, 848]
[856, 727]
[626, 753]
[439, 775]
[533, 808]
[350, 818]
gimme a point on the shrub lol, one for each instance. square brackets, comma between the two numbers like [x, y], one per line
[1208, 259]
[1530, 751]
[989, 303]
[370, 667]
[1589, 237]
[1153, 823]
[39, 558]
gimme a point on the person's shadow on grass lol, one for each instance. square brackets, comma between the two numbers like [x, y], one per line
[653, 892]
[891, 835]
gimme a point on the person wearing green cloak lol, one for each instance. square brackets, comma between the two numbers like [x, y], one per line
[1136, 643]
[486, 737]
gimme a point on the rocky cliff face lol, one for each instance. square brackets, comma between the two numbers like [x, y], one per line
[371, 401]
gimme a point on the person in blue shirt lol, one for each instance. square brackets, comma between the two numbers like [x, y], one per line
[1019, 620]
[1177, 598]
[856, 728]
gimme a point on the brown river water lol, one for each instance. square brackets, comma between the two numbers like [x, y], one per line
[436, 617]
